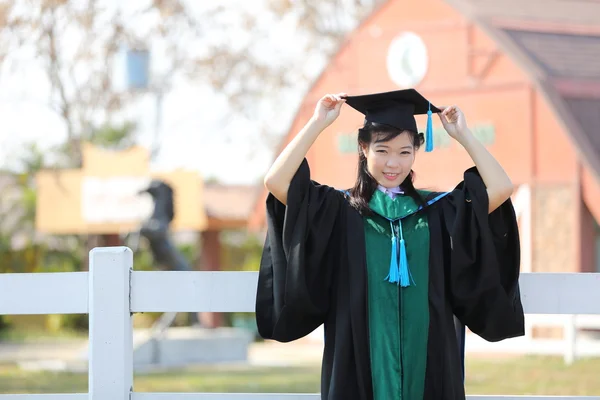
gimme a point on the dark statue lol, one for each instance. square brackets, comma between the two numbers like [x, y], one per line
[156, 230]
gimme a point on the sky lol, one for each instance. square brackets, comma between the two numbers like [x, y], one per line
[192, 133]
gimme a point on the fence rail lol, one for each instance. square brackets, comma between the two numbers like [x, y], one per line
[249, 396]
[111, 291]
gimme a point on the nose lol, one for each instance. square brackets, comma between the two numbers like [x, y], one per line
[392, 162]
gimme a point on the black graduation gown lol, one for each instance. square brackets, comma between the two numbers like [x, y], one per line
[313, 272]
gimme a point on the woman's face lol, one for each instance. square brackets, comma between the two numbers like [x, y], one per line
[390, 162]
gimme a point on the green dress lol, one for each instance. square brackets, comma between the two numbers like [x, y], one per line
[398, 316]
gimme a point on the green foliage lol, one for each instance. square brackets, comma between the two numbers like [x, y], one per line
[39, 257]
[4, 324]
[190, 253]
[240, 251]
[114, 137]
[142, 260]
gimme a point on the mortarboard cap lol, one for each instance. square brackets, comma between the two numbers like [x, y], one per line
[396, 109]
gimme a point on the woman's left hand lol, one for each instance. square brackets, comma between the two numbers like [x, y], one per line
[454, 122]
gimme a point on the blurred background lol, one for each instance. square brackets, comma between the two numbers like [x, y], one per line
[150, 124]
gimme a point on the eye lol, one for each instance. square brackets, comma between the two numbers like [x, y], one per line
[406, 152]
[381, 151]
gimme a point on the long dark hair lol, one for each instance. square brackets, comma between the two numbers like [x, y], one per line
[365, 185]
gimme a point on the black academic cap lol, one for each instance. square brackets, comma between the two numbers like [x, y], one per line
[396, 109]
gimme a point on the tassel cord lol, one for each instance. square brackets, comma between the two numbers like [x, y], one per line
[429, 132]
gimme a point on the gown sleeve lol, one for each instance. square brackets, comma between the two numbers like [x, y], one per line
[484, 261]
[299, 259]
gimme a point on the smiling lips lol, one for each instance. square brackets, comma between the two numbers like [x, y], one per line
[390, 177]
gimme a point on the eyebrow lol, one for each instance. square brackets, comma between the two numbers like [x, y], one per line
[386, 146]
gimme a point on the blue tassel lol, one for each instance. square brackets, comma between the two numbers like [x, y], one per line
[404, 273]
[393, 275]
[429, 135]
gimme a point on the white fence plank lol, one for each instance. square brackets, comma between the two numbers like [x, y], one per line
[253, 396]
[110, 324]
[282, 396]
[67, 293]
[560, 293]
[44, 293]
[542, 293]
[66, 396]
[225, 396]
[165, 291]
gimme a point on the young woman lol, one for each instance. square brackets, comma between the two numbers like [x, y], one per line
[386, 267]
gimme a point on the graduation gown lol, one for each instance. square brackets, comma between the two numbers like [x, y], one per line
[313, 271]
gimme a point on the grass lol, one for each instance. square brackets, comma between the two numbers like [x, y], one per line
[533, 376]
[522, 376]
[38, 335]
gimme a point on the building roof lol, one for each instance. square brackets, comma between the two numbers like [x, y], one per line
[557, 43]
[546, 11]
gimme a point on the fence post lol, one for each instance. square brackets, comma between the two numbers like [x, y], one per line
[110, 324]
[570, 339]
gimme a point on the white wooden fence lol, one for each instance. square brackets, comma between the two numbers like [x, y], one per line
[111, 292]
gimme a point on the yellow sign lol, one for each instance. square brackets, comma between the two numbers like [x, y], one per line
[103, 196]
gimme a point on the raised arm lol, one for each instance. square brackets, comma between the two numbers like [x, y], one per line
[498, 184]
[278, 178]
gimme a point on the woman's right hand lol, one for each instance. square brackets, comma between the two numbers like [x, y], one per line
[328, 108]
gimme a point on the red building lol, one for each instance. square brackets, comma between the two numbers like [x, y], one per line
[527, 76]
